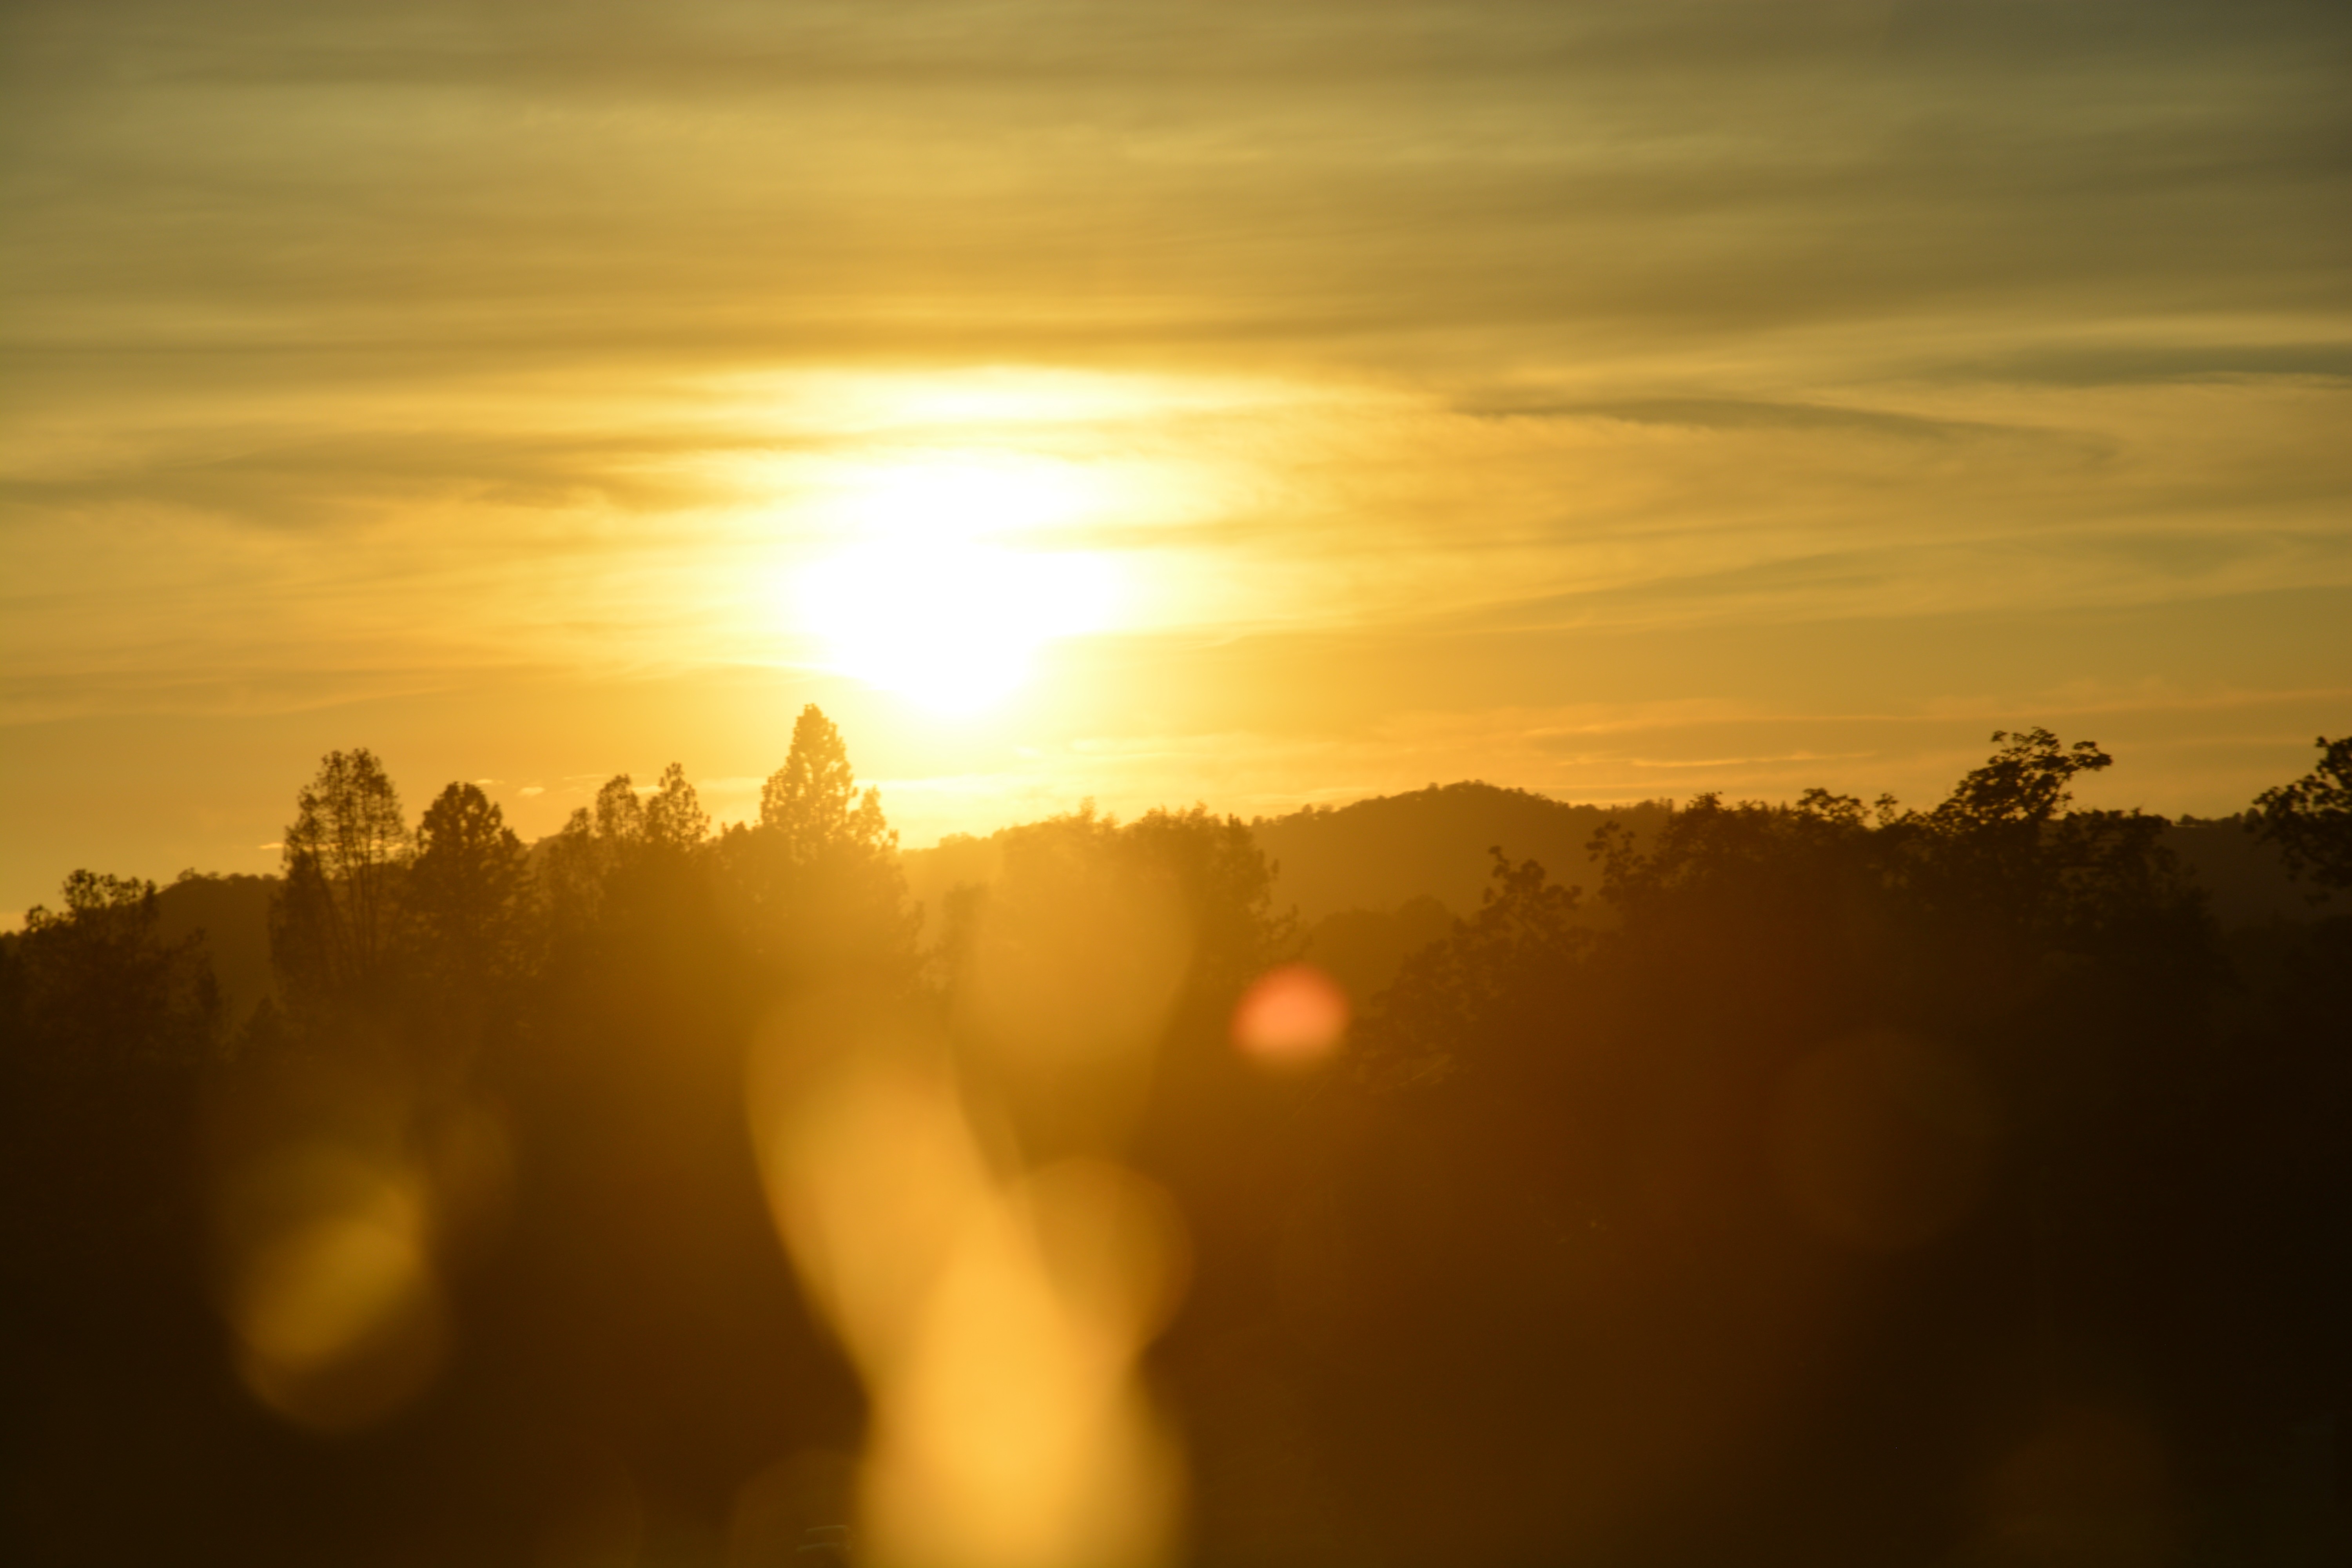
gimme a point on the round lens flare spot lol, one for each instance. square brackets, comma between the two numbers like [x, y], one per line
[1293, 1016]
[338, 1313]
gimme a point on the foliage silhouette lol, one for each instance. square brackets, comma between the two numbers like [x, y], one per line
[812, 802]
[815, 884]
[1572, 1142]
[469, 902]
[335, 924]
[1818, 1162]
[1444, 999]
[2310, 820]
[95, 985]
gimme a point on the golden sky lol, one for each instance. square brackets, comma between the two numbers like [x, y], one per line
[1256, 404]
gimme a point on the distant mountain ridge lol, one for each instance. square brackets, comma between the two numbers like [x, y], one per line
[1381, 853]
[233, 914]
[1375, 854]
[1384, 852]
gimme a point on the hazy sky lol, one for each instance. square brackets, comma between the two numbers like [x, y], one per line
[1159, 402]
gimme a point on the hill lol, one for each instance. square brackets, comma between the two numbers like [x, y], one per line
[1372, 882]
[1375, 854]
[233, 913]
[2241, 875]
[1379, 854]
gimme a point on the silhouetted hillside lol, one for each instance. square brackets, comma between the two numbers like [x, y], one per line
[1372, 882]
[1377, 854]
[1376, 881]
[233, 913]
[2243, 875]
[1365, 949]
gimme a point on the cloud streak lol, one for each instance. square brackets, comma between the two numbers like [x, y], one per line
[379, 354]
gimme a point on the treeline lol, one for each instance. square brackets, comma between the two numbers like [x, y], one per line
[1831, 1183]
[1887, 1186]
[510, 1081]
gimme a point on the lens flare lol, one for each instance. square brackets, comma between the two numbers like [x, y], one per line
[995, 1319]
[341, 1197]
[330, 1288]
[1293, 1016]
[1065, 987]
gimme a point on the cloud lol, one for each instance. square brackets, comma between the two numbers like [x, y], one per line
[1739, 414]
[373, 190]
[379, 356]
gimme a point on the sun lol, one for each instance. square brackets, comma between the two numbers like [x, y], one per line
[930, 600]
[955, 626]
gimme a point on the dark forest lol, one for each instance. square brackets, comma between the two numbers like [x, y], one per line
[1828, 1183]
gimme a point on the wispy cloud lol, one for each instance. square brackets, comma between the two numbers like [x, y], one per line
[1482, 358]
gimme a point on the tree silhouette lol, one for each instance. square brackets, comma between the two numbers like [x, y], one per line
[816, 880]
[2310, 820]
[674, 822]
[621, 833]
[334, 924]
[2006, 854]
[1568, 1185]
[2028, 781]
[812, 804]
[1806, 1166]
[468, 894]
[1443, 998]
[1227, 885]
[619, 816]
[97, 987]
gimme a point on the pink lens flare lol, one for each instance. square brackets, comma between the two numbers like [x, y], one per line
[1293, 1016]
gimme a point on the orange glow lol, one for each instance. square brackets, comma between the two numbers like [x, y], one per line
[1058, 785]
[1294, 1017]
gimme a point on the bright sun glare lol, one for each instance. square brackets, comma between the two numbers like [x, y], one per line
[930, 601]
